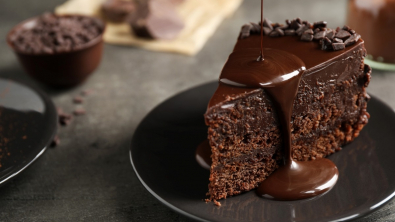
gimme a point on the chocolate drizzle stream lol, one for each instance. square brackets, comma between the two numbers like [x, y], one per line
[261, 58]
[328, 39]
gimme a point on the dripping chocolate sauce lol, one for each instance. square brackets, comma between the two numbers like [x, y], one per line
[278, 73]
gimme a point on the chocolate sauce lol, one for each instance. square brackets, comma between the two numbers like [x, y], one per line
[261, 58]
[203, 155]
[279, 74]
[375, 21]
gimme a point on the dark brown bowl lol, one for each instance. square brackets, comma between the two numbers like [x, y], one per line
[62, 69]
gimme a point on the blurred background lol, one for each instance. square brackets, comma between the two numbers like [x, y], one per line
[88, 176]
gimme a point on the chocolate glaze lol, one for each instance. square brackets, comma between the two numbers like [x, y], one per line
[309, 52]
[375, 21]
[203, 155]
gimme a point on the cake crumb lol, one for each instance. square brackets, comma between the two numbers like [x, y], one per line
[78, 100]
[55, 142]
[87, 92]
[79, 112]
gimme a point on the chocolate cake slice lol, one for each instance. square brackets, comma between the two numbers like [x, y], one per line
[329, 110]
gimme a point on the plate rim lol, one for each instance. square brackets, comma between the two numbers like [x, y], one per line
[364, 213]
[50, 106]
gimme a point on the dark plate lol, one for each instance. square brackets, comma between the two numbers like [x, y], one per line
[28, 122]
[163, 149]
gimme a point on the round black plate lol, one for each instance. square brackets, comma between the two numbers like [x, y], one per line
[28, 122]
[162, 155]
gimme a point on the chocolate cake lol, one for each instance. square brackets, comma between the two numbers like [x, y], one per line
[329, 110]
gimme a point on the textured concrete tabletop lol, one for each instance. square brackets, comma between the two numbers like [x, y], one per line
[88, 177]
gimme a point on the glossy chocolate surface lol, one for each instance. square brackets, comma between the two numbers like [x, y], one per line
[309, 52]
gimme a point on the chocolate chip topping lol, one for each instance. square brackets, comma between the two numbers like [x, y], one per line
[319, 35]
[52, 34]
[353, 39]
[338, 46]
[267, 30]
[342, 34]
[320, 24]
[289, 32]
[267, 23]
[327, 38]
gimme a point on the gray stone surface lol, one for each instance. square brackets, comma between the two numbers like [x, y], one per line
[89, 176]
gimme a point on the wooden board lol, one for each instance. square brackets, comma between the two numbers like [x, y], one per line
[201, 17]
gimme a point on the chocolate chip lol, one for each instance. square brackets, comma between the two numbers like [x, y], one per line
[342, 34]
[78, 99]
[298, 20]
[308, 24]
[267, 30]
[267, 23]
[276, 32]
[336, 40]
[79, 112]
[244, 35]
[65, 119]
[309, 31]
[347, 28]
[338, 46]
[319, 35]
[287, 22]
[320, 24]
[276, 25]
[289, 32]
[87, 92]
[330, 34]
[245, 31]
[284, 27]
[307, 37]
[352, 31]
[280, 31]
[295, 25]
[326, 44]
[55, 142]
[317, 30]
[353, 39]
[301, 30]
[255, 28]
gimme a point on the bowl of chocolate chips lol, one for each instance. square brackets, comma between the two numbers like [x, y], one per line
[58, 50]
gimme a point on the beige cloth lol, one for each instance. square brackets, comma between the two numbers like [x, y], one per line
[201, 17]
